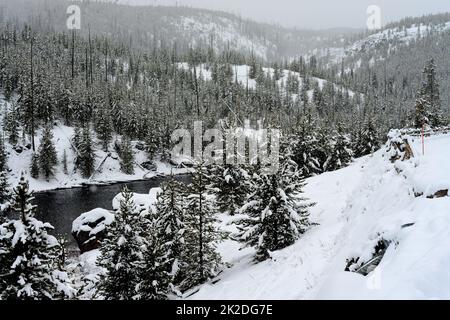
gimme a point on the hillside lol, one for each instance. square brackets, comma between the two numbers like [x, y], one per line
[371, 200]
[153, 26]
[107, 164]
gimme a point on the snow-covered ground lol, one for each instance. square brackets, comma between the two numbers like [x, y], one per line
[356, 207]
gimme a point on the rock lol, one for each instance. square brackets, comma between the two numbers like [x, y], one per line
[140, 146]
[365, 267]
[142, 202]
[90, 228]
[181, 162]
[18, 148]
[439, 194]
[398, 147]
[149, 165]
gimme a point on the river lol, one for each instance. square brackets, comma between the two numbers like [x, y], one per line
[61, 207]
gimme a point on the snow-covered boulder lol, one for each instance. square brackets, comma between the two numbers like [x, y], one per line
[90, 228]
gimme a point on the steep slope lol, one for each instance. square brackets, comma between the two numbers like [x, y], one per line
[369, 201]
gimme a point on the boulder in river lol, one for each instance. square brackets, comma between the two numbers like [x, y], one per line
[90, 228]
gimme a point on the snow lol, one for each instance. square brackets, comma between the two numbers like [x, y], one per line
[372, 199]
[84, 221]
[141, 201]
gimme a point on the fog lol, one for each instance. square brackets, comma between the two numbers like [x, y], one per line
[313, 14]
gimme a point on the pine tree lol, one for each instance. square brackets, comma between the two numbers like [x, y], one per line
[341, 152]
[127, 157]
[431, 93]
[64, 163]
[302, 149]
[104, 126]
[202, 235]
[85, 159]
[154, 274]
[422, 113]
[48, 158]
[230, 184]
[367, 141]
[3, 155]
[170, 227]
[151, 143]
[276, 213]
[12, 126]
[121, 253]
[5, 194]
[323, 148]
[34, 168]
[29, 255]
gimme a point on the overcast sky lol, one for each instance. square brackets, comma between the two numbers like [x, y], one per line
[313, 14]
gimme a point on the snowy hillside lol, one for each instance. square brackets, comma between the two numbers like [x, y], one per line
[369, 201]
[241, 76]
[389, 36]
[107, 164]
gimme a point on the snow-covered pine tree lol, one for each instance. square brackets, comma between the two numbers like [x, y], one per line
[422, 113]
[104, 125]
[155, 279]
[302, 148]
[3, 155]
[12, 126]
[34, 167]
[126, 156]
[170, 226]
[5, 193]
[367, 140]
[64, 162]
[201, 235]
[76, 138]
[341, 152]
[48, 157]
[85, 157]
[29, 255]
[276, 213]
[431, 93]
[323, 147]
[230, 184]
[151, 142]
[121, 253]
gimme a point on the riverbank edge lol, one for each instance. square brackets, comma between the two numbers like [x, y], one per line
[111, 182]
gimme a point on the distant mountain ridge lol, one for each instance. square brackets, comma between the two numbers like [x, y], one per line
[184, 26]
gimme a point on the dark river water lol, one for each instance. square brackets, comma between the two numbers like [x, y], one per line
[61, 207]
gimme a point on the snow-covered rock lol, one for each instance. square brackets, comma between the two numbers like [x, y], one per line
[90, 228]
[143, 202]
